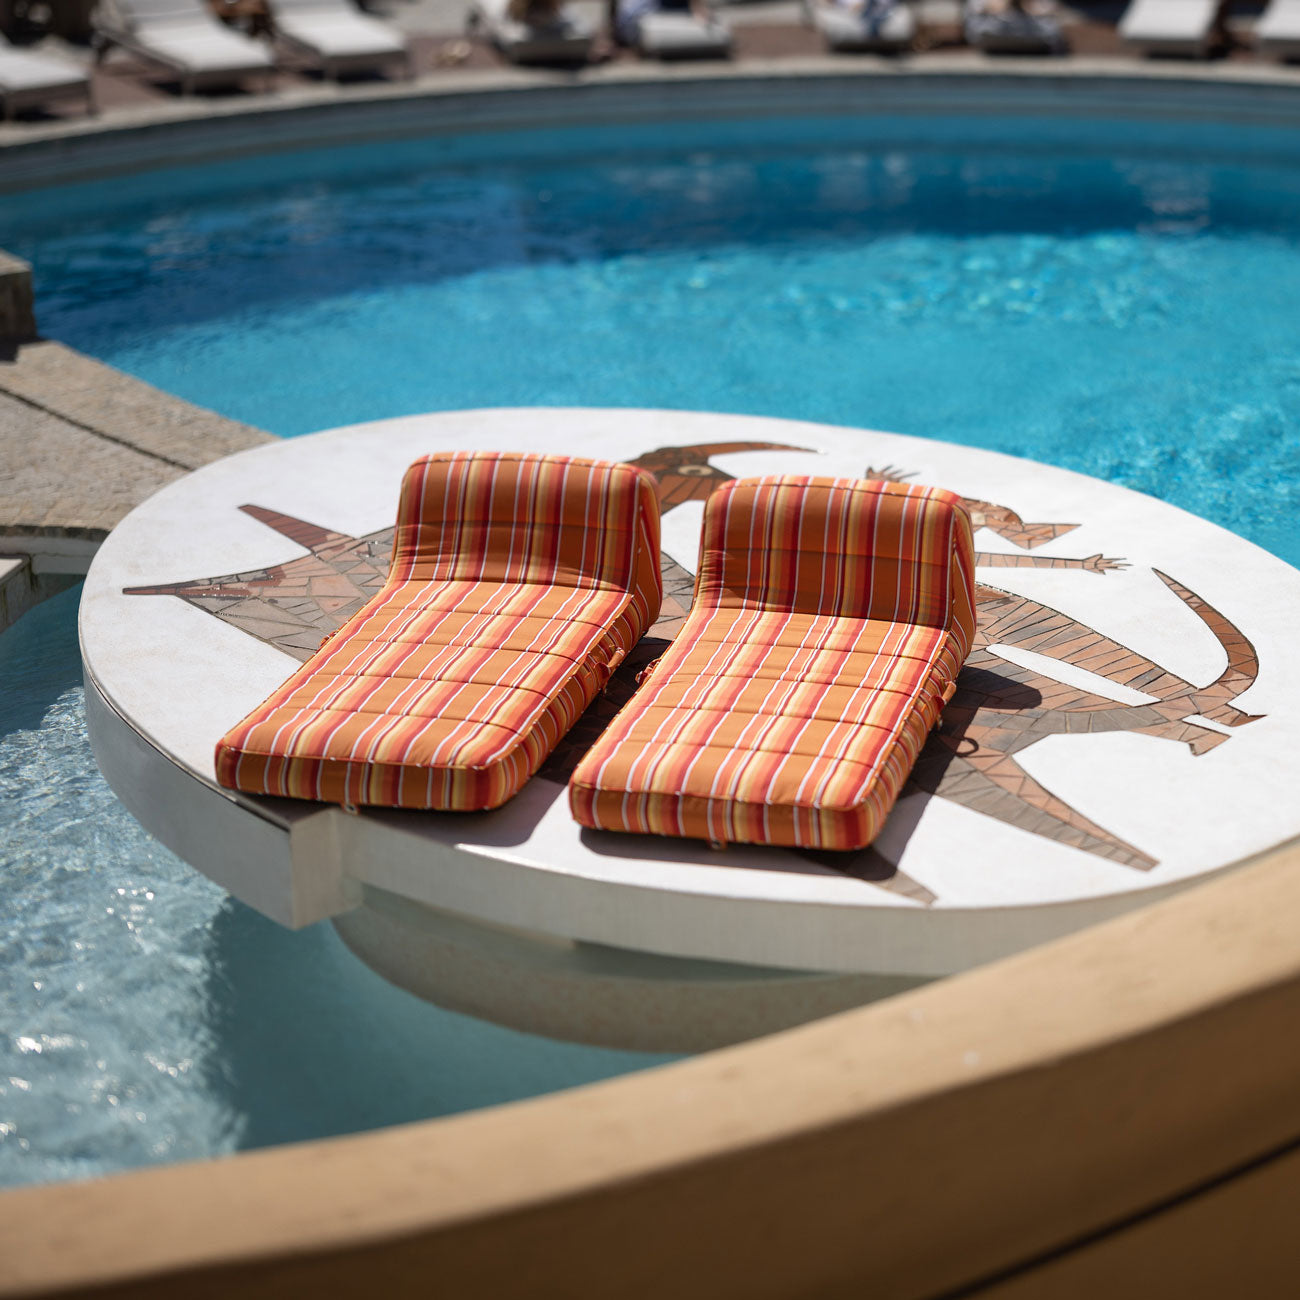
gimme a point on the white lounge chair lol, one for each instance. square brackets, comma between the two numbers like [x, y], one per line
[673, 35]
[183, 37]
[28, 79]
[338, 39]
[667, 29]
[1278, 30]
[882, 26]
[565, 38]
[999, 28]
[1169, 26]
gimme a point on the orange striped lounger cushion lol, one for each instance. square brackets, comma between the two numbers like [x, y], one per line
[829, 622]
[518, 583]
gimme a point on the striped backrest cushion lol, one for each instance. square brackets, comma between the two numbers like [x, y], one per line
[511, 518]
[850, 548]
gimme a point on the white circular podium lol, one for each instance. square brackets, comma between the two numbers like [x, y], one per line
[1121, 730]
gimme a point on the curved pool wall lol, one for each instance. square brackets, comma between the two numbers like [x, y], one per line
[1218, 99]
[1270, 108]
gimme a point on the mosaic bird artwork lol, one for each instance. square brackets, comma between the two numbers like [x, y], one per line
[1000, 707]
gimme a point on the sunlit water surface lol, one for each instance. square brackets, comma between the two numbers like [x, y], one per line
[149, 1017]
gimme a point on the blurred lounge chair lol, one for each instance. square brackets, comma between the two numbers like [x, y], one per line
[1169, 26]
[671, 29]
[1278, 31]
[851, 25]
[338, 39]
[28, 80]
[532, 31]
[1013, 27]
[183, 37]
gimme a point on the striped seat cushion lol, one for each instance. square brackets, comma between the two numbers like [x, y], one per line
[518, 584]
[830, 619]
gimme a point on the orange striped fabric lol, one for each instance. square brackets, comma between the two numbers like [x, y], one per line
[518, 584]
[830, 619]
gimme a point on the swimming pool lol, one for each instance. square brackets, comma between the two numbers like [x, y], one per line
[1124, 308]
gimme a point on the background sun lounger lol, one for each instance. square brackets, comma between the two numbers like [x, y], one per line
[338, 39]
[1169, 26]
[28, 80]
[565, 40]
[883, 27]
[518, 584]
[1005, 29]
[183, 37]
[829, 622]
[1278, 31]
[672, 35]
[668, 29]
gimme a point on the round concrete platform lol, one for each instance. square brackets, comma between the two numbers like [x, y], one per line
[1121, 730]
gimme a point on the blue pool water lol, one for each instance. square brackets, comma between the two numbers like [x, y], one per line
[1117, 300]
[1127, 311]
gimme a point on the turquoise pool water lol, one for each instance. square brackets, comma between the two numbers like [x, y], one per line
[1117, 299]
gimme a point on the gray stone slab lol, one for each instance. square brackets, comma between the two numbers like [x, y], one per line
[58, 476]
[121, 408]
[17, 589]
[81, 444]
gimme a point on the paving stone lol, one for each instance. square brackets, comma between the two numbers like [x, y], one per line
[118, 406]
[81, 444]
[58, 478]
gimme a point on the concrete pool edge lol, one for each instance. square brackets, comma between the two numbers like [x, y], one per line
[1080, 1145]
[83, 443]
